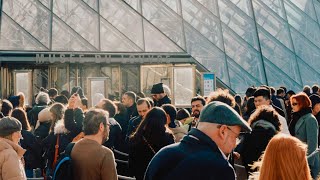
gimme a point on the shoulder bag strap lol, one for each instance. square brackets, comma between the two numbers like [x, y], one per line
[145, 140]
[56, 152]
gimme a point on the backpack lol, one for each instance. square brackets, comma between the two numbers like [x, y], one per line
[63, 168]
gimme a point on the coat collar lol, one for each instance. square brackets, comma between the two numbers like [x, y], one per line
[7, 144]
[301, 121]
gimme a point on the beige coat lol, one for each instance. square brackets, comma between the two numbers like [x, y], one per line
[11, 166]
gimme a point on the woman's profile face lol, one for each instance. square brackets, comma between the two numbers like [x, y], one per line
[16, 136]
[295, 105]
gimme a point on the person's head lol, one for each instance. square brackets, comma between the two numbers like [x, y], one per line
[42, 98]
[166, 90]
[197, 104]
[143, 106]
[21, 115]
[129, 98]
[53, 92]
[315, 101]
[290, 93]
[121, 108]
[96, 123]
[238, 99]
[222, 124]
[150, 101]
[171, 111]
[315, 89]
[266, 113]
[281, 93]
[306, 89]
[284, 158]
[250, 106]
[22, 99]
[272, 90]
[261, 97]
[10, 128]
[107, 105]
[182, 115]
[300, 101]
[78, 90]
[6, 107]
[66, 93]
[157, 91]
[222, 96]
[250, 91]
[153, 125]
[14, 101]
[140, 95]
[44, 115]
[284, 88]
[61, 99]
[84, 104]
[57, 113]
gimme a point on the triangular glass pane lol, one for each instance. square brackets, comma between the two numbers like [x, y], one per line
[277, 7]
[308, 74]
[203, 20]
[113, 40]
[65, 39]
[306, 6]
[239, 78]
[239, 22]
[124, 18]
[155, 41]
[271, 22]
[13, 37]
[165, 19]
[211, 5]
[135, 4]
[32, 16]
[277, 78]
[244, 5]
[47, 3]
[279, 55]
[173, 4]
[210, 56]
[303, 23]
[244, 54]
[92, 3]
[317, 8]
[79, 17]
[305, 49]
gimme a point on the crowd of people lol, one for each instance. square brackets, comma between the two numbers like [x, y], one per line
[273, 133]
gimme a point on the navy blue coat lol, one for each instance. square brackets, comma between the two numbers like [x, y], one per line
[195, 157]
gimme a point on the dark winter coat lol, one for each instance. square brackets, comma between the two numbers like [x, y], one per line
[195, 157]
[33, 114]
[255, 143]
[164, 100]
[33, 154]
[49, 143]
[140, 154]
[133, 125]
[114, 134]
[43, 130]
[73, 120]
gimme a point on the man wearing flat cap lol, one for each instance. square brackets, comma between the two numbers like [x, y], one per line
[202, 154]
[159, 96]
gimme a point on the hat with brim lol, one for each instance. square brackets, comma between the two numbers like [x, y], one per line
[157, 89]
[221, 113]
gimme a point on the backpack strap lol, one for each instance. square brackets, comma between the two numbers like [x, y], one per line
[69, 148]
[56, 151]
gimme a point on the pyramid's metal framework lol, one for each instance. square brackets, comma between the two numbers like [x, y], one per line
[245, 42]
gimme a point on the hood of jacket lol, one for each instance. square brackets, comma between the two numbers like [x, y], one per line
[59, 128]
[178, 130]
[7, 144]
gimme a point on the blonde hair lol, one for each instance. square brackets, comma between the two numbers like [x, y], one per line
[285, 158]
[57, 110]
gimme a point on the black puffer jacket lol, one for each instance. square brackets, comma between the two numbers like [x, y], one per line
[34, 112]
[43, 130]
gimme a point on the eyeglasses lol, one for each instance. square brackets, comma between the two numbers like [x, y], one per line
[238, 140]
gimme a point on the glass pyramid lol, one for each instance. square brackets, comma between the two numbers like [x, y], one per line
[245, 42]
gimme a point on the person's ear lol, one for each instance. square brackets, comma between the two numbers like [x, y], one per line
[222, 131]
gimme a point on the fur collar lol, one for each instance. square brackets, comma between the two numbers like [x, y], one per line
[59, 128]
[7, 144]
